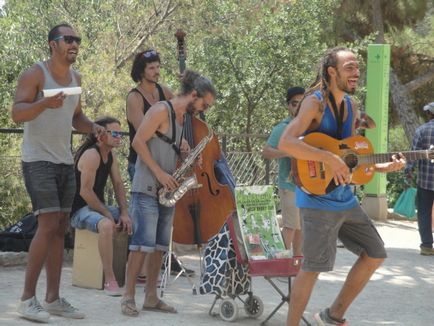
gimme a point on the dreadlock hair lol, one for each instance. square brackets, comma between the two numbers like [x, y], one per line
[322, 81]
[90, 139]
[193, 81]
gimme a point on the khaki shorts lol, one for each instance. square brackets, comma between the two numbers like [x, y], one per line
[290, 213]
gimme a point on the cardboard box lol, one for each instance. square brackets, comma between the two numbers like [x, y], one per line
[87, 269]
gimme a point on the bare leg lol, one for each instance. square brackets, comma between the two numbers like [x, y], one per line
[357, 278]
[154, 268]
[146, 264]
[135, 262]
[288, 235]
[300, 294]
[105, 246]
[55, 258]
[297, 243]
[38, 251]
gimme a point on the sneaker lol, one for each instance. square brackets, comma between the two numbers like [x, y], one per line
[323, 318]
[112, 289]
[426, 251]
[31, 309]
[61, 307]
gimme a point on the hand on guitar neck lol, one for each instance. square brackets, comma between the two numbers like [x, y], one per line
[350, 160]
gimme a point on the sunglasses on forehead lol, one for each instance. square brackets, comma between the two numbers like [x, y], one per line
[150, 54]
[69, 39]
[115, 134]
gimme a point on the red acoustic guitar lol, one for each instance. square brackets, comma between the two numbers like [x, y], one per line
[315, 177]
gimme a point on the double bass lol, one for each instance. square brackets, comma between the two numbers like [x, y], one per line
[201, 212]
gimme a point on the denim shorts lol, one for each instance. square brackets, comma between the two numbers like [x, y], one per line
[322, 228]
[152, 223]
[87, 218]
[51, 186]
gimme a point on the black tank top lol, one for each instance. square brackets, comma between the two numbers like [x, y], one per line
[101, 177]
[132, 155]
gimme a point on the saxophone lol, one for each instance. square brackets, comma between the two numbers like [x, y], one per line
[181, 175]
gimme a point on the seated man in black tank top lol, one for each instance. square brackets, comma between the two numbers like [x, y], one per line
[94, 162]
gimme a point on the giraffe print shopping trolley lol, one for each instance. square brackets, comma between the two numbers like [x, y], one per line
[249, 244]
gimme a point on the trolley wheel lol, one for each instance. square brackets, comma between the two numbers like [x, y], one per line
[228, 310]
[254, 307]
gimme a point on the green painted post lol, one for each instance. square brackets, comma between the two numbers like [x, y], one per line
[377, 102]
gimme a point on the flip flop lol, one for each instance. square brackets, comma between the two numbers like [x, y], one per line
[161, 306]
[128, 307]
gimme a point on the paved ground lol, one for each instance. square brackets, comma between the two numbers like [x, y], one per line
[400, 293]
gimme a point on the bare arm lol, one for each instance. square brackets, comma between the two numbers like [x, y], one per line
[270, 153]
[79, 121]
[88, 165]
[156, 118]
[135, 109]
[25, 108]
[121, 197]
[167, 92]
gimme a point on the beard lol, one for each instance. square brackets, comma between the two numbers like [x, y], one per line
[343, 86]
[152, 81]
[190, 108]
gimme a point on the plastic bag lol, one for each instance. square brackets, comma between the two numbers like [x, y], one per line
[406, 203]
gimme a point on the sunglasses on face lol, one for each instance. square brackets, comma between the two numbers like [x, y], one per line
[69, 39]
[150, 54]
[115, 134]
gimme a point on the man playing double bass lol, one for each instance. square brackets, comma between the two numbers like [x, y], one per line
[145, 72]
[157, 143]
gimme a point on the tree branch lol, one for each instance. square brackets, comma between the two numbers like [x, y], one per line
[420, 81]
[168, 10]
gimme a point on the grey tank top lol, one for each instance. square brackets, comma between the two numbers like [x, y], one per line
[164, 155]
[48, 136]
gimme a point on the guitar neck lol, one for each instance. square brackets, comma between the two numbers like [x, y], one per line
[387, 157]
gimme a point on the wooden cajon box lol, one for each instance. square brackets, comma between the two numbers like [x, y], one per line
[87, 269]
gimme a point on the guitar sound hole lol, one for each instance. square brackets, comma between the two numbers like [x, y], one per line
[351, 160]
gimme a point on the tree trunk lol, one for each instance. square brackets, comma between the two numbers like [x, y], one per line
[377, 21]
[403, 103]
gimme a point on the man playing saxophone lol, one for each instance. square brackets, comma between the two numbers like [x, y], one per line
[157, 143]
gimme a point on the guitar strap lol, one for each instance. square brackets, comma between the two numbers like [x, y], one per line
[339, 116]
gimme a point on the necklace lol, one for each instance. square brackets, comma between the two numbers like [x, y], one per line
[151, 94]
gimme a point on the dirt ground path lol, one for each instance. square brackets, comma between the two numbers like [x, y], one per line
[400, 293]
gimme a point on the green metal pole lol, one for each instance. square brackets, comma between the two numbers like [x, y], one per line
[377, 103]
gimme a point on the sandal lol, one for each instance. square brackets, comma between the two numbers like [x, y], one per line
[160, 306]
[128, 307]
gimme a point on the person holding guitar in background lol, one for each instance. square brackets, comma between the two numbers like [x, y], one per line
[145, 72]
[328, 109]
[291, 226]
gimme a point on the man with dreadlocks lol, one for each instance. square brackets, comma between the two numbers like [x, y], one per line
[94, 162]
[338, 213]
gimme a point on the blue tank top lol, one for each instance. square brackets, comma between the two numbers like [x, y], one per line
[342, 198]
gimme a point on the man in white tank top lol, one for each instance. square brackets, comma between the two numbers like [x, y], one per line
[48, 166]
